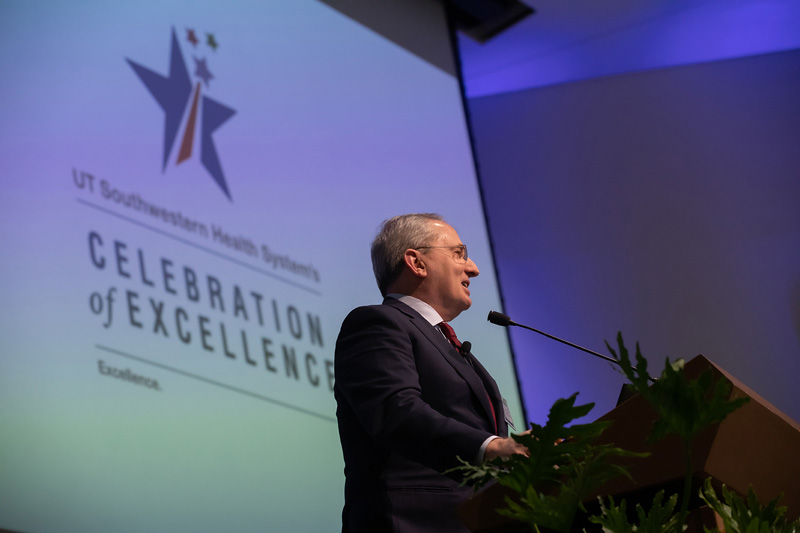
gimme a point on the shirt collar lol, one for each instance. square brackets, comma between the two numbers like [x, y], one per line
[428, 313]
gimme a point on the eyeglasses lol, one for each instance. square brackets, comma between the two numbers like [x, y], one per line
[459, 251]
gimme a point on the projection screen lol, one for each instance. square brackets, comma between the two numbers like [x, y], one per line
[190, 191]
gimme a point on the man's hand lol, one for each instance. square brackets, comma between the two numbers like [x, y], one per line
[505, 448]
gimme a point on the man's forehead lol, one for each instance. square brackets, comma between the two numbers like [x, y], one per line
[445, 231]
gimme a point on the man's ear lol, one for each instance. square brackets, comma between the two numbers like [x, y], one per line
[415, 262]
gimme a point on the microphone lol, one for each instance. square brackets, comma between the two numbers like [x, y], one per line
[466, 346]
[500, 319]
[504, 320]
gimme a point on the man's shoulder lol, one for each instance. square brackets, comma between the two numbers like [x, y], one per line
[390, 308]
[380, 319]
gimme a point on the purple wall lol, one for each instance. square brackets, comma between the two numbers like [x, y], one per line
[663, 204]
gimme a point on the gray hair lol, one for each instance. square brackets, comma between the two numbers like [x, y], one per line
[395, 236]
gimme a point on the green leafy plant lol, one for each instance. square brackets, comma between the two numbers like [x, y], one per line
[566, 464]
[660, 518]
[564, 467]
[684, 407]
[746, 515]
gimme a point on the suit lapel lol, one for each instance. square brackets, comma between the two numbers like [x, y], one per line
[496, 398]
[476, 377]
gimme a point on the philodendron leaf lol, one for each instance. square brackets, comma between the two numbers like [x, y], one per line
[746, 515]
[659, 518]
[613, 518]
[684, 407]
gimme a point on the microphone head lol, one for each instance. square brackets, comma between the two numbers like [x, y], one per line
[499, 319]
[466, 347]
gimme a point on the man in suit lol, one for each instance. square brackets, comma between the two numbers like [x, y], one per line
[409, 401]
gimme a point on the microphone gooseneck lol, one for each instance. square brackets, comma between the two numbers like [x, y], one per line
[503, 320]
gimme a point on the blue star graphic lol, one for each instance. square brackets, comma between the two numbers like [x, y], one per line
[172, 93]
[214, 115]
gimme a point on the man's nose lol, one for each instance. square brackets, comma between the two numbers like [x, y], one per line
[472, 268]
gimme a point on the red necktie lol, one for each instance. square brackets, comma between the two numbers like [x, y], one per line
[450, 334]
[447, 329]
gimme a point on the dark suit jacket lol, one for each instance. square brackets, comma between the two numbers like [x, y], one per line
[408, 404]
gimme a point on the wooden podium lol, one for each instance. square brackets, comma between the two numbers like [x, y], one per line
[756, 445]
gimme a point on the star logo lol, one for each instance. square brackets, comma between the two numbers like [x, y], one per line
[173, 93]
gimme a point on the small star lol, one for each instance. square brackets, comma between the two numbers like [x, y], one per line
[210, 41]
[191, 37]
[201, 70]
